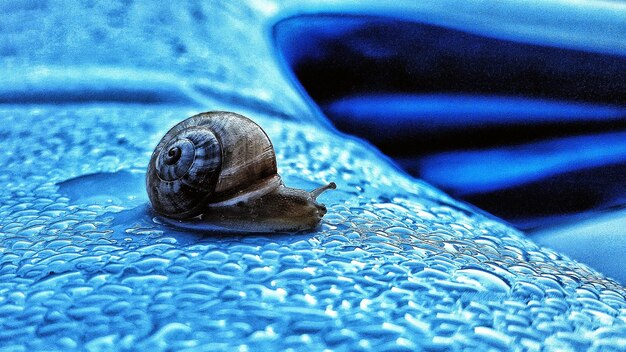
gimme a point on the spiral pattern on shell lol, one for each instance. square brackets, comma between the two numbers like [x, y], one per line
[207, 158]
[186, 168]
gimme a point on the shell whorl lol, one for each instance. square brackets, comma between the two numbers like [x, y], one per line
[207, 158]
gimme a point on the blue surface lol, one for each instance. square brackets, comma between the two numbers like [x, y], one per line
[526, 126]
[86, 265]
[433, 112]
[486, 170]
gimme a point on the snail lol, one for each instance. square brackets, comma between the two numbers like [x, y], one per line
[219, 168]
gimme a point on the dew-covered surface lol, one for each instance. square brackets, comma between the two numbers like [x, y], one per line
[396, 265]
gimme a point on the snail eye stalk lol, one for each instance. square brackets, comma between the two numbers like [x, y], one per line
[316, 192]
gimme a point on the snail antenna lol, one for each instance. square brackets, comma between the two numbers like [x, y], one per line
[316, 192]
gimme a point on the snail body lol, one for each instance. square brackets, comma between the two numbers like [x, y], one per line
[220, 168]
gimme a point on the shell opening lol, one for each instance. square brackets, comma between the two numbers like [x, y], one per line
[257, 190]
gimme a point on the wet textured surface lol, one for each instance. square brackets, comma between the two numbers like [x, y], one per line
[396, 265]
[388, 268]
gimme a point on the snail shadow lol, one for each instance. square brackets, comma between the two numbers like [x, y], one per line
[137, 222]
[143, 225]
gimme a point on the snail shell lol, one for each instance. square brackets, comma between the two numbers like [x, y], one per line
[220, 167]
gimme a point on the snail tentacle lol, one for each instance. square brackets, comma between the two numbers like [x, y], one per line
[316, 192]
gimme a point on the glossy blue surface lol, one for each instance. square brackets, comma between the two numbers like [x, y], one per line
[524, 126]
[86, 265]
[485, 170]
[450, 111]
